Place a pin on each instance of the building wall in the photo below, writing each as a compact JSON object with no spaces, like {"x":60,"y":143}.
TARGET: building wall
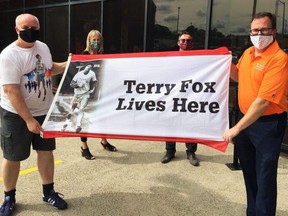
{"x":149,"y":25}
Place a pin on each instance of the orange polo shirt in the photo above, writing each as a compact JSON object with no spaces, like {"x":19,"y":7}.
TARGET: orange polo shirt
{"x":265,"y":76}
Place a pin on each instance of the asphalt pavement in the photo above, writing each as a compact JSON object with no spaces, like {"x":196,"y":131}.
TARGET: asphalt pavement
{"x":133,"y":182}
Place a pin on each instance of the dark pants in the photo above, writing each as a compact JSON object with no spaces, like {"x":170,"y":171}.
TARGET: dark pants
{"x":258,"y":147}
{"x":83,"y":139}
{"x":171,"y":147}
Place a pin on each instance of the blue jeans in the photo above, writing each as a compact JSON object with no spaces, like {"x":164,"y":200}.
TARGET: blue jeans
{"x":258,"y":148}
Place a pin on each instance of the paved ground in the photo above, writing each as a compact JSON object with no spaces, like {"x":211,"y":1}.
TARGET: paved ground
{"x":133,"y":182}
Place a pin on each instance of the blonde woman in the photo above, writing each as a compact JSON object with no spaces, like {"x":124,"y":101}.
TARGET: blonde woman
{"x":94,"y":45}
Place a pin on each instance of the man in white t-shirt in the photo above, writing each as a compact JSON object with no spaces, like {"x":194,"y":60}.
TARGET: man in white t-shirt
{"x":23,"y":111}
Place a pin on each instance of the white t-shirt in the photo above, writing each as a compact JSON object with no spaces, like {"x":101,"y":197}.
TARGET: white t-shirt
{"x":83,"y":81}
{"x":18,"y":66}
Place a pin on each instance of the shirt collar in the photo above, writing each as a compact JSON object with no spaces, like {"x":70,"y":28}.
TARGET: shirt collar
{"x":270,"y":51}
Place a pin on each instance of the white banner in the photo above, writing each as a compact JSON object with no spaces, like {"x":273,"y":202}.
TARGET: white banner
{"x":179,"y":96}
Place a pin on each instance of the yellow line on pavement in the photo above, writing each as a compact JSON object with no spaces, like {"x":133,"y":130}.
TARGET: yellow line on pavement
{"x":33,"y":169}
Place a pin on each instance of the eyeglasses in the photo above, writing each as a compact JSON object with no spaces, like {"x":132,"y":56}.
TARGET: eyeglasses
{"x":187,"y":40}
{"x":263,"y":31}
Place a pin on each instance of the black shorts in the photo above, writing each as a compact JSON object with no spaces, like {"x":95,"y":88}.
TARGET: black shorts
{"x":16,"y":139}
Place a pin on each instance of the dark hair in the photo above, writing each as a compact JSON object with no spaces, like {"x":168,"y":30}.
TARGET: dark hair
{"x":184,"y":32}
{"x":271,"y":16}
{"x":89,"y":64}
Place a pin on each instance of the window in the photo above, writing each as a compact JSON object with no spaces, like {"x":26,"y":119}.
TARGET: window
{"x":231,"y":28}
{"x":16,"y":4}
{"x":123,"y":26}
{"x":7,"y":26}
{"x":56,"y":32}
{"x":55,"y":1}
{"x":82,"y":23}
{"x":32,"y":3}
{"x":174,"y":17}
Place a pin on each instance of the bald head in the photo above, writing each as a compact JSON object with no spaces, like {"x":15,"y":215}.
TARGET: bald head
{"x":27,"y":28}
{"x":26,"y":21}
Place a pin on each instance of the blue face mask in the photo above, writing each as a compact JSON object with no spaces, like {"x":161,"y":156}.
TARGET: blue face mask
{"x":95,"y":45}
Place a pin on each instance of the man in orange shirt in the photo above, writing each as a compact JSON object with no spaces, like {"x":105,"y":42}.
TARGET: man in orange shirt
{"x":262,"y":74}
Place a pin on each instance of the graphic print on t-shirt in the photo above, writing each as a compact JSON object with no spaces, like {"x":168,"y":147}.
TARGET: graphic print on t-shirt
{"x":39,"y":79}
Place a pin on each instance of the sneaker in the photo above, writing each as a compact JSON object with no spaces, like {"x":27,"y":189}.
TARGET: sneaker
{"x":55,"y":200}
{"x":7,"y":206}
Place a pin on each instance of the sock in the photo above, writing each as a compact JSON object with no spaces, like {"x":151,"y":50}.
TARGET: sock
{"x":47,"y":189}
{"x":10,"y":193}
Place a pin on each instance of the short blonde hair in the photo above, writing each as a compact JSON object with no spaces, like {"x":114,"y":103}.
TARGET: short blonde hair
{"x":91,"y":34}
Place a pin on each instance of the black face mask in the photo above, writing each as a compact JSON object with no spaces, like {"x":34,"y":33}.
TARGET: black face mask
{"x":29,"y":35}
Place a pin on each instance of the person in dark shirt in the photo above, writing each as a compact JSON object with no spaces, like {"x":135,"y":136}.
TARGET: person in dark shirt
{"x":184,"y":43}
{"x":94,"y":45}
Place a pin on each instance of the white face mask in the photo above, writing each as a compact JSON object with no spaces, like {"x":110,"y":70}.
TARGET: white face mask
{"x":261,"y":41}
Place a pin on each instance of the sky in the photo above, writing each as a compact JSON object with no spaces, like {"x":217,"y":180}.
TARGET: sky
{"x":229,"y":16}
